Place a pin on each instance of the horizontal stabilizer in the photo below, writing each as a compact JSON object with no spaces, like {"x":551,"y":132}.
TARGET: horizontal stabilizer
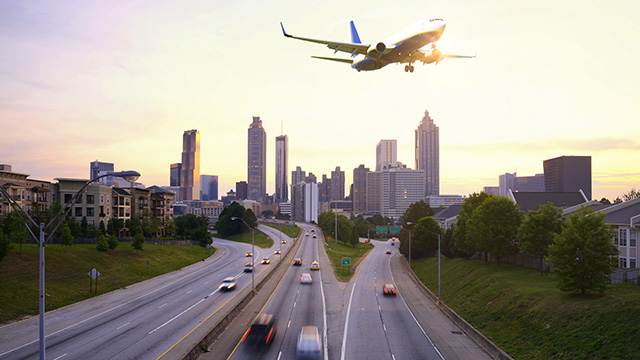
{"x":348,"y":61}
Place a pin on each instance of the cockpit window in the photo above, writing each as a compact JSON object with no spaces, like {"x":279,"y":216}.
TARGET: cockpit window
{"x":435,"y":20}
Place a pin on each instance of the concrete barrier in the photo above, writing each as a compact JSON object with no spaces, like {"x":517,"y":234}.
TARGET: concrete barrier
{"x":487,"y":345}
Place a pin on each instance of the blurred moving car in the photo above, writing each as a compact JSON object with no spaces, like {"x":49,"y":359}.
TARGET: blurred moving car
{"x":262,"y":331}
{"x":248,"y":267}
{"x":227,"y":284}
{"x":305,"y":278}
{"x":393,"y":243}
{"x":388,"y":252}
{"x":314,"y":265}
{"x":248,"y":254}
{"x":297,"y":262}
{"x":277,"y":252}
{"x":283,"y":241}
{"x":306,"y":234}
{"x":367,"y":241}
{"x":389,"y":289}
{"x":309,"y":343}
{"x":313,"y":230}
{"x":265,"y":261}
{"x":314,"y":236}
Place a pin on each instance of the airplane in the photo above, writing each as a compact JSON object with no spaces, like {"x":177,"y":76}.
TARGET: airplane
{"x":407,"y":46}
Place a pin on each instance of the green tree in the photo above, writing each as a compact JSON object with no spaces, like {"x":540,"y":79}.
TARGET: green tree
{"x":267,"y":214}
{"x":415,"y":212}
{"x":169,"y":225}
{"x":101,"y":227}
{"x":74,"y":226}
{"x":227,"y":227}
{"x":66,"y":239}
{"x":493,"y":226}
{"x":5,"y":245}
{"x":138,"y":240}
{"x":424,"y":237}
{"x":354,"y":237}
{"x":18,"y":233}
{"x":536,"y":232}
{"x":150,"y":224}
{"x":631,"y":194}
{"x":448,"y":244}
{"x":84,"y":227}
{"x":112,"y":240}
{"x":377,"y":220}
{"x":102,"y":245}
{"x":465,"y":243}
{"x":583,"y":255}
{"x":114,"y":225}
{"x":93,"y":232}
{"x":202,"y":236}
{"x":250,"y":218}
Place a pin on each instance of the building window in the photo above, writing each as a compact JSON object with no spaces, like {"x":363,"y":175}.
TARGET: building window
{"x":633,"y":235}
{"x":90,"y":199}
{"x":632,"y":263}
{"x":101,"y":199}
{"x":89,"y":212}
{"x":108,"y":200}
{"x":623,"y":263}
{"x":108,"y":211}
{"x":78,"y":212}
{"x":623,"y":237}
{"x":67,"y":198}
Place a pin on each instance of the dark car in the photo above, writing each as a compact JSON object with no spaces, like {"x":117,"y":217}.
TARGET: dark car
{"x":389,"y":289}
{"x":262,"y":331}
{"x":228,"y":284}
{"x":248,"y":268}
{"x":388,"y":252}
{"x":297,"y":262}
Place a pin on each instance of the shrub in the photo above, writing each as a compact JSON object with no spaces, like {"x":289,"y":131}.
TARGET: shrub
{"x":102,"y":245}
{"x":113,"y":242}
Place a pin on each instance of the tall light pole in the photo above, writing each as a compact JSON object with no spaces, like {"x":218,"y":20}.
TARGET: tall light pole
{"x":336,"y":223}
{"x":252,"y":247}
{"x":52,"y":226}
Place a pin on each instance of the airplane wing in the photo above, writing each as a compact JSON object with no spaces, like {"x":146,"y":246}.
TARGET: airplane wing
{"x":460,"y":56}
{"x":348,"y":61}
{"x":351,"y":48}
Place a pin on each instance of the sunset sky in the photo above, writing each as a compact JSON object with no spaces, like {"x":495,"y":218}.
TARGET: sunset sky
{"x":120,"y":81}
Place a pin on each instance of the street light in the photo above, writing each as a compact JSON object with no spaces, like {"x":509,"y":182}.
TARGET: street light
{"x":252,"y":247}
{"x":410,"y":223}
{"x":57,"y":219}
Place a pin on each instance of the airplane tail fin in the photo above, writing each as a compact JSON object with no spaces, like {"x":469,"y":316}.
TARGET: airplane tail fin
{"x":354,"y":34}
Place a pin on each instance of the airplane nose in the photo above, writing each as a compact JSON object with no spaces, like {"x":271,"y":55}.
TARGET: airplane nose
{"x":441,"y":27}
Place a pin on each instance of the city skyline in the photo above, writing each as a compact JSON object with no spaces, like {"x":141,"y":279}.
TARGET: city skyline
{"x":156,"y":70}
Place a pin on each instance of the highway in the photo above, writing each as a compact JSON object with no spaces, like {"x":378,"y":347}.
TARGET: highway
{"x":143,"y":320}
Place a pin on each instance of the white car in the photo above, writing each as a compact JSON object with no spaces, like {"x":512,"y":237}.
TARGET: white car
{"x":309,"y":343}
{"x":305,"y":278}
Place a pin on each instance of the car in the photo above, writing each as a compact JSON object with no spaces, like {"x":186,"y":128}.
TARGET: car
{"x":388,"y":252}
{"x":306,"y":278}
{"x":265,"y":261}
{"x":389,"y":289}
{"x":283,"y":241}
{"x":367,"y":241}
{"x":248,"y":254}
{"x":393,"y":243}
{"x":309,"y":344}
{"x":313,"y":230}
{"x":297,"y":262}
{"x":306,"y":234}
{"x":227,"y":284}
{"x":314,"y":236}
{"x":314,"y":265}
{"x":261,"y":332}
{"x":277,"y":251}
{"x":248,"y":267}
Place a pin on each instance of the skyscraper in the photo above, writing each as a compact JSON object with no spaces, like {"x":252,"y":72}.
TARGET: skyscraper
{"x":257,"y":161}
{"x":359,"y":198}
{"x":174,"y":176}
{"x":208,"y":187}
{"x":298,"y":175}
{"x":337,"y":184}
{"x":386,"y":153}
{"x":568,"y":174}
{"x":393,"y":189}
{"x":101,"y":168}
{"x":190,"y":170}
{"x":282,"y":167}
{"x":427,"y":150}
{"x":241,"y":190}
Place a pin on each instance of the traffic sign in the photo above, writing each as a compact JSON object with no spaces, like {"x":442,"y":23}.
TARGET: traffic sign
{"x":381,"y":230}
{"x":346,"y":261}
{"x":394,"y":230}
{"x":93,"y":273}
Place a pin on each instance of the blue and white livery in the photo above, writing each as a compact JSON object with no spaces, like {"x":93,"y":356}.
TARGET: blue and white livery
{"x":414,"y":43}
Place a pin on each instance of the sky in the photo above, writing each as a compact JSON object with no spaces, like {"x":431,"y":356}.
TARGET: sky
{"x":120,"y":81}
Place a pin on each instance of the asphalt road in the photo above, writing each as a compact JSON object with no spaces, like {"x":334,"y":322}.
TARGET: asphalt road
{"x":144,"y":320}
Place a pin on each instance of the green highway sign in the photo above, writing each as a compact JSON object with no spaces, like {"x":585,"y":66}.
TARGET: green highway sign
{"x":381,"y":230}
{"x":394,"y":230}
{"x":346,"y":261}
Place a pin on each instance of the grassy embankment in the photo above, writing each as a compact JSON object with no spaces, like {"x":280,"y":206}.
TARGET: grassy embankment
{"x":260,"y":240}
{"x":528,"y":317}
{"x":66,"y":279}
{"x":339,"y":251}
{"x":291,"y":231}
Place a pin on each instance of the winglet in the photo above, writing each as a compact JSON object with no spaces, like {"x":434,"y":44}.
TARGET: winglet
{"x":354,"y":34}
{"x":284,"y":32}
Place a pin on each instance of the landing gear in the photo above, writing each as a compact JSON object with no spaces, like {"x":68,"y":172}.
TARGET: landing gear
{"x":408,"y":68}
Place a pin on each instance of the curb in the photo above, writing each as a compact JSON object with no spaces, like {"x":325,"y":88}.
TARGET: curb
{"x":479,"y":338}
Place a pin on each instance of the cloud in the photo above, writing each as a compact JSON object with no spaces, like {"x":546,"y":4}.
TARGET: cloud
{"x":564,"y":145}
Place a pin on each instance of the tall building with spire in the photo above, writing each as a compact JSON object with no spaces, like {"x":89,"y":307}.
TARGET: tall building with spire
{"x":257,"y":161}
{"x":190,"y":168}
{"x":427,"y":150}
{"x":282,"y":168}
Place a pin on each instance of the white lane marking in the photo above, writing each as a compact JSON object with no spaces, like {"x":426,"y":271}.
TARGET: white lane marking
{"x":289,"y":324}
{"x":279,"y":354}
{"x":379,"y":308}
{"x":384,"y":327}
{"x":414,"y":318}
{"x":189,"y":291}
{"x":123,"y":325}
{"x":294,"y":304}
{"x":175,"y":317}
{"x":206,"y":282}
{"x":393,"y":357}
{"x":61,"y":356}
{"x":324,"y":319}
{"x":346,"y":324}
{"x":163,"y":305}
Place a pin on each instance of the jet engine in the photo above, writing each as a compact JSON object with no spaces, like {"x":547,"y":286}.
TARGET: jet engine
{"x":434,"y":56}
{"x":376,"y":50}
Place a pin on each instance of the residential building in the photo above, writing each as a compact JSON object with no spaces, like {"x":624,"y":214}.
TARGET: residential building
{"x":140,"y":201}
{"x":337,"y":184}
{"x":427,"y":153}
{"x":26,"y":192}
{"x":492,"y":190}
{"x":359,"y":190}
{"x":120,"y":204}
{"x":255,"y":206}
{"x":393,"y":189}
{"x":624,"y":219}
{"x":257,"y":161}
{"x":531,"y":201}
{"x":282,"y":168}
{"x":568,"y":174}
{"x":208,"y":187}
{"x":174,"y":175}
{"x":168,"y":199}
{"x":94,"y":203}
{"x":298,"y":175}
{"x":386,"y":153}
{"x":190,"y":168}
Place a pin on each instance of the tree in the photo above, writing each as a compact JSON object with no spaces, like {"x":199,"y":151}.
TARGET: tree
{"x":493,"y":226}
{"x":463,"y":242}
{"x":377,"y":220}
{"x":267,"y":213}
{"x":102,"y":245}
{"x":93,"y":232}
{"x":202,"y":236}
{"x":138,"y":240}
{"x":415,"y":212}
{"x":169,"y":225}
{"x":424,"y":237}
{"x":605,"y":201}
{"x":448,"y":244}
{"x":112,"y":240}
{"x":631,"y":194}
{"x":150,"y":224}
{"x":227,"y":227}
{"x":354,"y":238}
{"x":583,"y":255}
{"x":536,"y":232}
{"x":17,"y":231}
{"x":84,"y":227}
{"x":5,"y":245}
{"x":101,"y":227}
{"x":66,"y":239}
{"x":114,"y":225}
{"x":250,"y":218}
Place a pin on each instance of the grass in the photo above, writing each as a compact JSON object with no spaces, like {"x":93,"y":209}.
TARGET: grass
{"x":339,"y":251}
{"x":66,"y":279}
{"x":291,"y":231}
{"x":261,"y":240}
{"x":528,"y":317}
